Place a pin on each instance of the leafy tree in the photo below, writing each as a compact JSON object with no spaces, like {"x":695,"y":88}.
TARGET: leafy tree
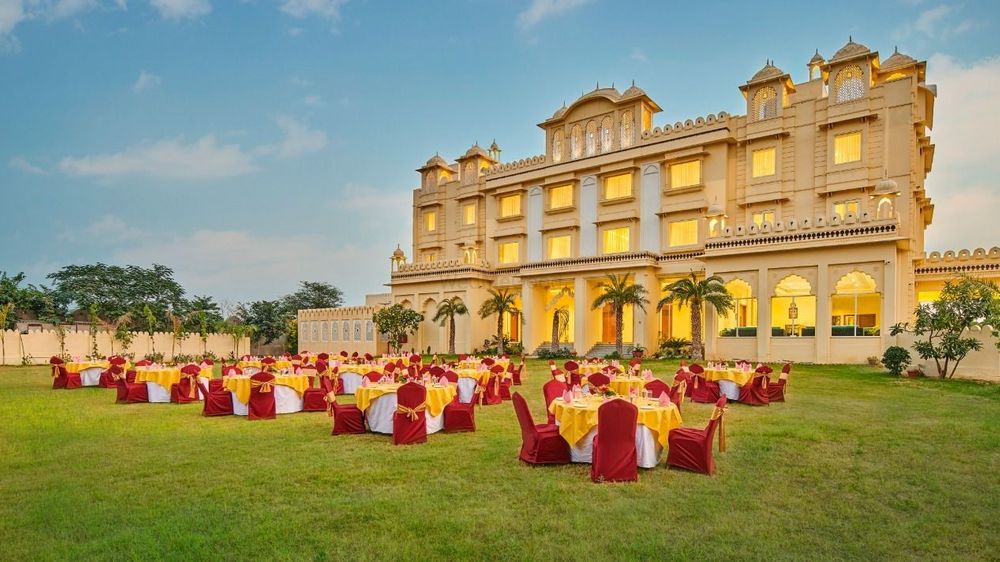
{"x":396,"y":322}
{"x":500,"y":301}
{"x":150,"y":317}
{"x":619,"y":291}
{"x":201,"y":310}
{"x":95,"y":323}
{"x":268,"y":319}
{"x":940,"y":326}
{"x":178,"y":333}
{"x":896,"y":359}
{"x":560,"y":323}
{"x":695,"y":294}
{"x":292,"y":335}
{"x":446,"y":312}
{"x":119,"y":328}
{"x":237,"y":330}
{"x":5,"y":313}
{"x":313,"y":294}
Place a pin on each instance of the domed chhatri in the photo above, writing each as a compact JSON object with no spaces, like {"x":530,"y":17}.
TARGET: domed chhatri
{"x":851,"y":49}
{"x":817,"y":59}
{"x":398,"y":252}
{"x":767,"y":72}
{"x":897,"y":60}
{"x":475,"y":150}
{"x":633,"y":91}
{"x":886,"y":186}
{"x":436,"y":160}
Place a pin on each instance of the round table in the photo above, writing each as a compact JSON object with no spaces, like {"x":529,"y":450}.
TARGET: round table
{"x":257,"y":366}
{"x":577,"y":423}
{"x":624,"y":385}
{"x":159,"y":380}
{"x":90,"y":371}
{"x":468,"y":380}
{"x":288,"y":391}
{"x":378,"y":402}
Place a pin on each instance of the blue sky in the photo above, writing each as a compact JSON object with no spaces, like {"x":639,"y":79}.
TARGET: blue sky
{"x":251,"y":144}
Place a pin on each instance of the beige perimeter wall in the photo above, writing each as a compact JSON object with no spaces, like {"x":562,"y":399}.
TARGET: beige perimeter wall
{"x":982,"y":365}
{"x":40,"y":345}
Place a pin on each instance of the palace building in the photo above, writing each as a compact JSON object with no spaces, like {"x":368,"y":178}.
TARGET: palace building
{"x":811,"y":207}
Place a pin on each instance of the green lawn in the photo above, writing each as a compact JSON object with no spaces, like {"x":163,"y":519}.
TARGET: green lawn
{"x":855,"y":465}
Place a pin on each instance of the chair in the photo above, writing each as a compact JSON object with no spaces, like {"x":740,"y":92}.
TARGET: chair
{"x":227,"y":371}
{"x":347,"y":418}
{"x":261,"y":405}
{"x":505,"y":381}
{"x":552,"y":390}
{"x":776,"y":390}
{"x":415,"y":359}
{"x":369,"y":357}
{"x":540,"y":444}
{"x":492,"y":396}
{"x":452,"y":376}
{"x":186,"y":390}
{"x":110,"y":375}
{"x":143,"y":363}
{"x":326,"y":356}
{"x":515,"y":373}
{"x":656,"y":387}
{"x":314,"y":399}
{"x":461,"y":416}
{"x":614,"y":458}
{"x":130,"y":392}
{"x":374,"y":376}
{"x":677,"y":393}
{"x":691,"y":448}
{"x":755,"y":392}
{"x":488,"y":361}
{"x":64,"y":379}
{"x":703,"y":391}
{"x":599,"y":380}
{"x":682,"y":375}
{"x":409,"y":423}
{"x":217,"y":402}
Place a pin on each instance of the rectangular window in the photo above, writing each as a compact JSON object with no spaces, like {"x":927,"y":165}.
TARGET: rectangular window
{"x":430,"y":256}
{"x":510,"y":205}
{"x":561,"y":197}
{"x":430,"y":221}
{"x":334,"y":332}
{"x":844,"y":207}
{"x":763,"y":162}
{"x":616,"y":240}
{"x":856,"y":315}
{"x":685,"y":174}
{"x":761,"y":217}
{"x":616,"y":187}
{"x":558,"y":247}
{"x":469,"y":214}
{"x":509,"y":252}
{"x":304,"y":331}
{"x":847,"y":148}
{"x":682,"y":233}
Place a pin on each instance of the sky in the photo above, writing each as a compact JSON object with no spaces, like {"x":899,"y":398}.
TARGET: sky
{"x":251,"y":144}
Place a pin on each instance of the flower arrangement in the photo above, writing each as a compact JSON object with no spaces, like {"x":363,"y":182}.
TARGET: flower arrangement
{"x":605,"y":391}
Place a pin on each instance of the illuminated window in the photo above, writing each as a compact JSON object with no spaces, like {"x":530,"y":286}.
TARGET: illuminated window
{"x":509,"y":252}
{"x":616,"y":240}
{"x":430,"y":256}
{"x":682,"y":233}
{"x":430,"y":221}
{"x":896,"y":76}
{"x":606,"y":141}
{"x":761,"y":217}
{"x":850,"y":84}
{"x":627,"y":135}
{"x":685,"y":174}
{"x":561,"y":196}
{"x":616,"y":187}
{"x":715,"y":227}
{"x":763,"y":162}
{"x":469,"y":214}
{"x":857,"y":306}
{"x":576,"y":141}
{"x":764,"y":104}
{"x":741,"y":322}
{"x":558,"y":247}
{"x":793,"y":308}
{"x":647,"y":120}
{"x":844,"y":207}
{"x":591,"y":138}
{"x":510,"y":206}
{"x":557,"y":146}
{"x":847,"y":148}
{"x":885,"y":209}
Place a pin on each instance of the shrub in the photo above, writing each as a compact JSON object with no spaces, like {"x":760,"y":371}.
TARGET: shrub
{"x":896,"y":359}
{"x":674,"y":347}
{"x":614,"y":355}
{"x":490,"y":347}
{"x":561,"y":353}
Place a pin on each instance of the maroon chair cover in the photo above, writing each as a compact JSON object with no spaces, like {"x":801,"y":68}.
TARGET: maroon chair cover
{"x":696,"y":369}
{"x":326,"y":356}
{"x":614,"y":458}
{"x":599,"y":379}
{"x":187,"y":389}
{"x":656,"y":387}
{"x":492,"y":394}
{"x":409,"y":423}
{"x":217,"y":402}
{"x":130,"y":375}
{"x":515,"y":373}
{"x":261,"y":405}
{"x":571,"y":366}
{"x":505,"y":381}
{"x":488,"y":361}
{"x":143,"y":363}
{"x":55,"y":360}
{"x":552,"y":390}
{"x":374,"y":376}
{"x":776,"y":390}
{"x":415,"y":359}
{"x":682,"y":375}
{"x":691,"y":448}
{"x":314,"y":399}
{"x":107,"y":379}
{"x":755,"y":392}
{"x":540,"y":444}
{"x":703,"y":391}
{"x":436,"y":371}
{"x":369,"y":357}
{"x":461,"y":416}
{"x":130,"y":392}
{"x":347,"y":418}
{"x":677,"y":394}
{"x":452,"y":377}
{"x":63,"y":379}
{"x":207,"y":361}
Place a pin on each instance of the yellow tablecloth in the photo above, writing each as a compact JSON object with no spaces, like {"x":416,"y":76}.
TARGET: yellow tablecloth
{"x":623,"y":385}
{"x":278,"y":364}
{"x":437,"y":396}
{"x":474,"y":363}
{"x":481,"y":376}
{"x":165,"y":376}
{"x":577,"y":419}
{"x":77,"y":366}
{"x":738,"y":376}
{"x":241,"y":385}
{"x":360,"y":369}
{"x":587,"y":370}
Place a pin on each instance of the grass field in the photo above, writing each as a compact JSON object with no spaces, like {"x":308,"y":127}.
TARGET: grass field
{"x":856,"y":465}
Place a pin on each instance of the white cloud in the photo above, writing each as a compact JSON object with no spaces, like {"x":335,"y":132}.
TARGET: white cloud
{"x":182,"y":9}
{"x":108,"y":229}
{"x":540,"y":10}
{"x":168,"y":159}
{"x":937,"y":23}
{"x":145,"y":81}
{"x":329,"y":9}
{"x":963,"y":182}
{"x":295,"y":31}
{"x":312,"y":100}
{"x":638,"y":55}
{"x":11,"y":14}
{"x":299,"y":139}
{"x":21,"y":163}
{"x":929,"y":20}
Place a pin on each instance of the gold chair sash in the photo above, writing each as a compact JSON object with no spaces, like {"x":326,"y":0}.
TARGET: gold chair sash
{"x":681,"y":390}
{"x":411,"y":412}
{"x":717,"y":413}
{"x":331,"y":399}
{"x":192,"y":384}
{"x":262,"y":386}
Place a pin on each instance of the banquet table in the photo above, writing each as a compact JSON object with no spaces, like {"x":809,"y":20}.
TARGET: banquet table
{"x":159,"y":380}
{"x":258,"y":365}
{"x":624,"y":385}
{"x":474,"y":363}
{"x":378,"y":402}
{"x":468,"y":380}
{"x":90,"y":371}
{"x":738,"y":376}
{"x":577,"y":423}
{"x":587,"y":369}
{"x":288,"y":390}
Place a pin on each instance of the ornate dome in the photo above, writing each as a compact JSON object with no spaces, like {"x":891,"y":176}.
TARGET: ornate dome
{"x":495,"y":147}
{"x":886,"y":186}
{"x":560,"y":112}
{"x":769,"y":71}
{"x":715,"y":209}
{"x":817,"y":59}
{"x":436,"y":160}
{"x":851,"y":49}
{"x":633,"y":91}
{"x":475,"y":150}
{"x":398,"y":252}
{"x":898,"y":60}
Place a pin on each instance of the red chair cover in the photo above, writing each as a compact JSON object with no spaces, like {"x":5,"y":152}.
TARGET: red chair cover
{"x":326,"y":356}
{"x":703,"y":391}
{"x":571,"y":366}
{"x":755,"y":392}
{"x":143,"y":363}
{"x":415,"y":359}
{"x":314,"y":399}
{"x":552,"y":390}
{"x":261,"y":405}
{"x":677,"y":394}
{"x":452,"y":376}
{"x":374,"y":376}
{"x":599,"y":379}
{"x":187,"y":389}
{"x":540,"y":444}
{"x":409,"y":423}
{"x":461,"y":416}
{"x":108,"y":375}
{"x":614,"y":458}
{"x":515,"y":373}
{"x":776,"y":390}
{"x":488,"y":361}
{"x":268,"y":360}
{"x":492,"y":395}
{"x":369,"y":357}
{"x":63,"y":379}
{"x":436,"y":371}
{"x":696,"y":369}
{"x":217,"y":402}
{"x":691,"y":448}
{"x":656,"y":387}
{"x":55,"y":360}
{"x":131,"y":392}
{"x":130,"y":375}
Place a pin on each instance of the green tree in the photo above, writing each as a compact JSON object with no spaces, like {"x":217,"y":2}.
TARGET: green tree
{"x":500,"y":301}
{"x":120,"y":332}
{"x":268,"y":318}
{"x":619,"y":291}
{"x":397,"y":322}
{"x":150,"y":319}
{"x":695,"y":294}
{"x":6,"y":311}
{"x":178,"y":333}
{"x":237,"y":330}
{"x":313,"y":294}
{"x":560,"y":318}
{"x":292,"y":335}
{"x":447,"y":310}
{"x":95,"y":323}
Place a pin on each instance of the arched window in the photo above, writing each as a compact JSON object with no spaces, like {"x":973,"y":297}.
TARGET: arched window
{"x":606,"y":141}
{"x":428,"y":180}
{"x":576,"y":142}
{"x":715,"y":227}
{"x":850,"y":83}
{"x":314,"y":325}
{"x":333,"y":331}
{"x":470,"y":171}
{"x":347,"y":330}
{"x":626,"y":136}
{"x":557,"y":146}
{"x":793,"y":308}
{"x":741,"y":322}
{"x":764,"y":104}
{"x":885,"y":208}
{"x":325,"y":327}
{"x":591,"y":138}
{"x":304,"y":331}
{"x":857,"y":306}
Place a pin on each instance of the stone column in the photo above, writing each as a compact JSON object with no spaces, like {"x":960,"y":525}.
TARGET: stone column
{"x":581,"y":313}
{"x":823,"y":311}
{"x":763,"y":294}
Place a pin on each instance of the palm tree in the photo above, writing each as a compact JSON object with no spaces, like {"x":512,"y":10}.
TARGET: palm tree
{"x":694,"y":293}
{"x":501,"y":301}
{"x":446,"y":312}
{"x":560,"y":322}
{"x":619,"y":291}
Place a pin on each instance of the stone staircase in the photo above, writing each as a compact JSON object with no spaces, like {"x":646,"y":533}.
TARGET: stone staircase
{"x":548,"y":344}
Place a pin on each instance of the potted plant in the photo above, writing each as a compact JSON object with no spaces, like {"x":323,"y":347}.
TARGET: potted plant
{"x":638,"y":351}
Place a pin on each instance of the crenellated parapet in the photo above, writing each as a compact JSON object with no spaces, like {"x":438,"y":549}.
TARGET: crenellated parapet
{"x":802,"y":230}
{"x":679,"y":128}
{"x":344,"y":312}
{"x":515,"y":166}
{"x":962,"y":261}
{"x":440,"y":265}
